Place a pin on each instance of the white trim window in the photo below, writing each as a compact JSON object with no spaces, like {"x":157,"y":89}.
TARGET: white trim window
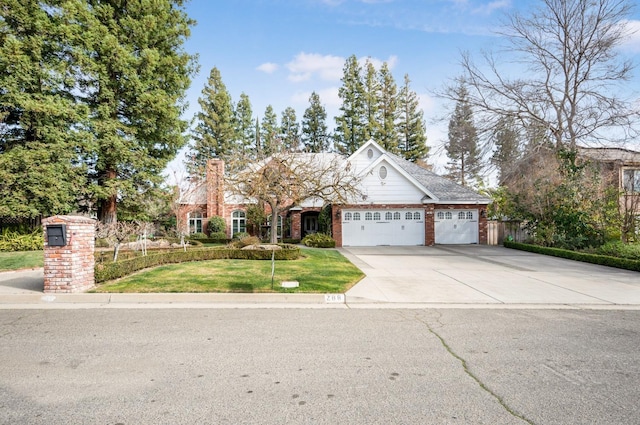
{"x":238,"y":222}
{"x":631,"y":180}
{"x":195,"y":222}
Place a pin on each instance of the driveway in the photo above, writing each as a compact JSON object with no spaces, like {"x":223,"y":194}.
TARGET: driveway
{"x":478,"y":274}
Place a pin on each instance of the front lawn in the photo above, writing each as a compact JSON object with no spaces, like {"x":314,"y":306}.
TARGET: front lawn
{"x":21,"y":260}
{"x":318,"y":270}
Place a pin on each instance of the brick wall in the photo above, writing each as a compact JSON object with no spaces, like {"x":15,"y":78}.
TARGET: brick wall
{"x":70,"y":268}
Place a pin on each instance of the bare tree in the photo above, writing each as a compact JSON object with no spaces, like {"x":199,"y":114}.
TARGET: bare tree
{"x":184,"y":191}
{"x":287,"y":179}
{"x":574,"y":74}
{"x":115,"y":233}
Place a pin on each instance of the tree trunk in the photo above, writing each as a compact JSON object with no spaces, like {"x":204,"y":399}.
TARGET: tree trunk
{"x":274,"y":224}
{"x":107,"y":210}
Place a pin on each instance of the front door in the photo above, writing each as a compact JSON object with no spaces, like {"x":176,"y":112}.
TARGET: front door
{"x":310,"y":224}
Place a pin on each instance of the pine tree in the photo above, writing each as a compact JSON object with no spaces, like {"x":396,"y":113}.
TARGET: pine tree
{"x":244,"y":128}
{"x":134,"y":83}
{"x":387,"y":111}
{"x":314,"y":127}
{"x":507,"y":142}
{"x":371,"y":102}
{"x":411,"y":125}
{"x":290,"y":130}
{"x":270,"y":138}
{"x":259,"y":154}
{"x":41,"y":137}
{"x":349,"y":134}
{"x":462,"y":146}
{"x":215,"y":131}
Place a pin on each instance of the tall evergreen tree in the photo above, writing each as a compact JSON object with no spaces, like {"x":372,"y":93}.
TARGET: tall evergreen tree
{"x":215,"y":131}
{"x":135,"y":83}
{"x":411,"y":125}
{"x":371,"y":102}
{"x":40,"y":138}
{"x":244,"y":128}
{"x":350,"y":132}
{"x":259,"y":154}
{"x":462,"y":146}
{"x":507,"y":142}
{"x":314,"y":128}
{"x":387,"y":111}
{"x":290,"y":130}
{"x":270,"y":134}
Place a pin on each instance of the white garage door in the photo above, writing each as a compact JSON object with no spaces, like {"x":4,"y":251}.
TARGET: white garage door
{"x":382,"y":227}
{"x":456,"y":226}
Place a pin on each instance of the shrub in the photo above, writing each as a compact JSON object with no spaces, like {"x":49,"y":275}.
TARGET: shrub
{"x":109,"y":270}
{"x":245,"y":241}
{"x":240,"y":235}
{"x":218,"y":235}
{"x":216,"y":224}
{"x":198,"y":235}
{"x":319,"y":240}
{"x":620,"y":249}
{"x":11,"y":240}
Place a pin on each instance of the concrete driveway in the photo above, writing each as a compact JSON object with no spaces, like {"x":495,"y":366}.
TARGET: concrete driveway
{"x":477,"y":274}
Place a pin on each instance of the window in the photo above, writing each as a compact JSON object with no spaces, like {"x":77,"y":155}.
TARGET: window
{"x":440,"y":215}
{"x":370,"y":153}
{"x":388,"y":216}
{"x":382,"y":172}
{"x":461,"y":215}
{"x":376,"y":216}
{"x":396,"y":216}
{"x":195,"y":222}
{"x":631,"y":180}
{"x":279,"y":228}
{"x":356,"y":216}
{"x":347,"y":216}
{"x":368,"y":216}
{"x":469,"y":215}
{"x":416,"y":215}
{"x":238,"y":222}
{"x":448,"y":215}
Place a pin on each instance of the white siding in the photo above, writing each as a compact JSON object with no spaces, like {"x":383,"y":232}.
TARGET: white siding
{"x":394,"y":189}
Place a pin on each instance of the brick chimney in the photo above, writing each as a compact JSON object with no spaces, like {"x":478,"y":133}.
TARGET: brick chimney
{"x":215,"y":187}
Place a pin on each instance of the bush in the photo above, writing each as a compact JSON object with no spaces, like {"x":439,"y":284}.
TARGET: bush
{"x":109,"y":270}
{"x":319,"y":240}
{"x":218,"y":235}
{"x":216,"y":224}
{"x":245,"y":241}
{"x":198,"y":235}
{"x":11,"y":240}
{"x":240,"y":235}
{"x":603,"y":260}
{"x":620,"y":249}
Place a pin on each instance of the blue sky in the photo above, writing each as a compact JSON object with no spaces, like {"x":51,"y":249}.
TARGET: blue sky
{"x":279,"y":51}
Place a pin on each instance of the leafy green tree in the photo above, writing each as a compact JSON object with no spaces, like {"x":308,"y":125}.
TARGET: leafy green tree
{"x":135,"y":80}
{"x":244,"y":128}
{"x":507,"y":142}
{"x":270,"y":133}
{"x":216,"y":129}
{"x":387,"y":112}
{"x":371,"y":102}
{"x":350,"y":132}
{"x":411,"y":126}
{"x":314,"y":128}
{"x":290,"y":130}
{"x":41,"y":125}
{"x":462,"y":146}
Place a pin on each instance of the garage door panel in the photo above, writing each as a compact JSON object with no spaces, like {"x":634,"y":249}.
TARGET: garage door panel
{"x":382,"y":227}
{"x":456,"y":226}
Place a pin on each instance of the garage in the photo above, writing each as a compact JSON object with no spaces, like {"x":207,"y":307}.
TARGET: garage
{"x":382,"y":227}
{"x":456,"y":226}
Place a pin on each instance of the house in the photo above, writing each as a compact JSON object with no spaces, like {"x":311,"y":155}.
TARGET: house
{"x":401,"y":204}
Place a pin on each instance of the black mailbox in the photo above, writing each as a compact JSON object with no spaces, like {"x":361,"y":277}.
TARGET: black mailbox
{"x":57,"y":234}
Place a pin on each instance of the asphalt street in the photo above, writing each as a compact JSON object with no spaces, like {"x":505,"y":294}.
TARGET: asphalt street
{"x":326,"y":366}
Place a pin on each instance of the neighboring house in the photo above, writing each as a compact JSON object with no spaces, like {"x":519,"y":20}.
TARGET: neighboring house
{"x":402,"y":204}
{"x":621,"y":168}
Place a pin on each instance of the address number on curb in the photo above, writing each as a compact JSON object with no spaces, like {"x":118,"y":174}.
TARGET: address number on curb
{"x":334,"y":298}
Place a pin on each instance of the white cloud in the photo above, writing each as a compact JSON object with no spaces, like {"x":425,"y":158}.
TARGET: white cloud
{"x":268,"y":67}
{"x":328,"y":98}
{"x":377,"y":63}
{"x":426,"y":103}
{"x":489,"y":8}
{"x":632,"y":40}
{"x":307,"y":65}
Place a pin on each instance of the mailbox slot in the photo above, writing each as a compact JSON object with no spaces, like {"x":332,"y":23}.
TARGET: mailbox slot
{"x":57,"y":234}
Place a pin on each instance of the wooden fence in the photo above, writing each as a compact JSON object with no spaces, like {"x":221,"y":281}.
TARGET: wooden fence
{"x":497,"y":231}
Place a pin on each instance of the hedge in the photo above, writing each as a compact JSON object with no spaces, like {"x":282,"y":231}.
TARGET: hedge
{"x":110,"y":271}
{"x":603,"y":260}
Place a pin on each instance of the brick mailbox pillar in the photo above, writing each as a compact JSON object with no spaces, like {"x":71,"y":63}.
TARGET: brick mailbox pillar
{"x":69,"y":242}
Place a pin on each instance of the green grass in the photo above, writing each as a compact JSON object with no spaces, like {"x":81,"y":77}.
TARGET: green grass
{"x":21,"y":260}
{"x":318,"y":271}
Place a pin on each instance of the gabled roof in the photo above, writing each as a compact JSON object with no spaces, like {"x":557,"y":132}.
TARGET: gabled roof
{"x":610,"y":154}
